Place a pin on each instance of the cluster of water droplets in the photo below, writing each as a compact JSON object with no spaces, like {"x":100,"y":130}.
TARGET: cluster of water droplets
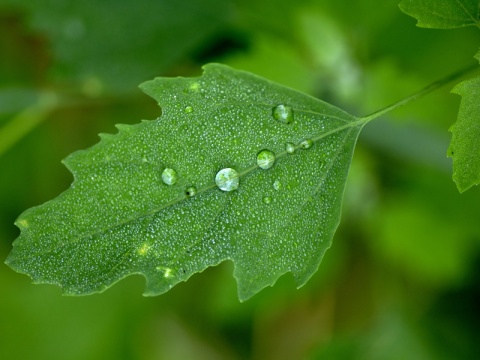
{"x":228,"y":179}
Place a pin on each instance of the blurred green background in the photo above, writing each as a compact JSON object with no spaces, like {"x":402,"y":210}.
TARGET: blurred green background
{"x":402,"y":279}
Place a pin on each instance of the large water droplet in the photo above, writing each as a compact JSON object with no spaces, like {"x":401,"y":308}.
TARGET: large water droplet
{"x":188,"y":109}
{"x":306,"y":144}
{"x":265,"y":159}
{"x":290,"y":148}
{"x":191,"y":191}
{"x":169,"y":176}
{"x":227,"y":179}
{"x":283,"y":113}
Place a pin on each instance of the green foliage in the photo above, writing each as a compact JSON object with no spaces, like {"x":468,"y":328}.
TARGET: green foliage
{"x":444,"y":14}
{"x":130,"y":44}
{"x":464,"y":148}
{"x":131,"y":208}
{"x":407,"y":248}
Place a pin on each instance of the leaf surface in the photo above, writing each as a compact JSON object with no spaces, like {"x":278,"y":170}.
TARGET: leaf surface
{"x":120,"y":217}
{"x":444,"y":14}
{"x":464,"y":147}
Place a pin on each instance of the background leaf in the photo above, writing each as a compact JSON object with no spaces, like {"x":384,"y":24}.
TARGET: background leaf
{"x":131,"y":44}
{"x":382,"y":260}
{"x":465,"y":148}
{"x":445,"y":14}
{"x":120,"y":218}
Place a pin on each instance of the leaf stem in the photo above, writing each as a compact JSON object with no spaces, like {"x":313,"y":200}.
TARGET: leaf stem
{"x":26,"y":121}
{"x":433,"y":86}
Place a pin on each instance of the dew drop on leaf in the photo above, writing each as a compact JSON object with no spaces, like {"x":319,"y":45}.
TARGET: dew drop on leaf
{"x":283,"y":113}
{"x":169,"y":176}
{"x":267,"y":199}
{"x":194,"y":87}
{"x":306,"y":144}
{"x":277,"y":185}
{"x":265,"y":159}
{"x":290,"y":148}
{"x":227,"y":179}
{"x":188,"y":109}
{"x":191,"y":191}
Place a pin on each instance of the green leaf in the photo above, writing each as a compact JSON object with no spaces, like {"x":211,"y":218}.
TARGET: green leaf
{"x":120,"y":218}
{"x":444,"y":14}
{"x":465,"y":146}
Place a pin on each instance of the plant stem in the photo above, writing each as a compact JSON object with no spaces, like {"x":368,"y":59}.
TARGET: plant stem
{"x":433,"y":86}
{"x":26,"y":121}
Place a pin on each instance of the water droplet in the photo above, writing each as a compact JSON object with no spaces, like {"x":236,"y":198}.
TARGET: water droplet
{"x":227,"y":179}
{"x":289,"y":148}
{"x":169,"y":176}
{"x":195,"y":86}
{"x":191,"y":191}
{"x":167,"y":273}
{"x":188,"y":109}
{"x":267,"y":199}
{"x":143,"y":250}
{"x":306,"y":144}
{"x":265,"y":159}
{"x":277,"y":185}
{"x":283,"y":113}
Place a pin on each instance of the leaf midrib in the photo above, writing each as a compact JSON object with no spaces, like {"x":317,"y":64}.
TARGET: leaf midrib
{"x":359,"y":122}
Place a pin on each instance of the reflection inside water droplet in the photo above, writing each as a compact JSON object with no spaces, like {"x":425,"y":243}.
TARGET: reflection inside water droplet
{"x":265,"y":159}
{"x":283,"y":113}
{"x":227,"y":179}
{"x":169,"y":176}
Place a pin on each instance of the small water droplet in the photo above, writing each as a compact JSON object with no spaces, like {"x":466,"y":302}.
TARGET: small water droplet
{"x":191,"y":191}
{"x":188,"y":109}
{"x":167,"y":273}
{"x":283,"y":113}
{"x":169,"y":176}
{"x":290,"y":148}
{"x":143,"y":250}
{"x":194,"y":87}
{"x":267,"y":199}
{"x":277,"y":185}
{"x":227,"y":179}
{"x":306,"y":144}
{"x":265,"y":159}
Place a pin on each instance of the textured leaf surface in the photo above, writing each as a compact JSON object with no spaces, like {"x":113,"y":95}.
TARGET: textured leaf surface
{"x":465,"y":145}
{"x":443,"y":14}
{"x":120,"y":218}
